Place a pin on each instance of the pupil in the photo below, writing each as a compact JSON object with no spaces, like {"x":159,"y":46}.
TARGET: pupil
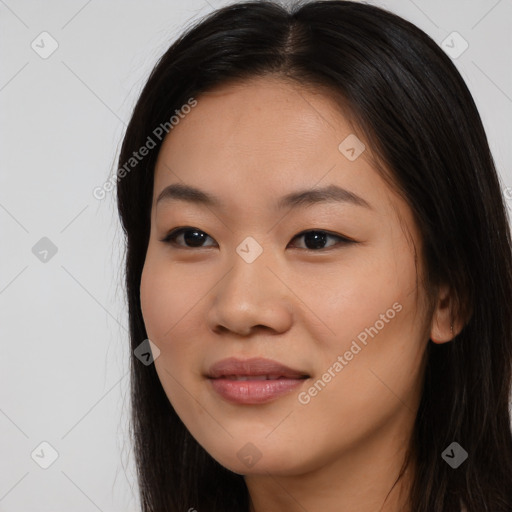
{"x":191,"y":240}
{"x":318,"y":239}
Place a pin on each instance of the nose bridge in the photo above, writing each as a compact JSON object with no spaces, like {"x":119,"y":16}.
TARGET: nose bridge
{"x":249,"y":278}
{"x":250,"y":294}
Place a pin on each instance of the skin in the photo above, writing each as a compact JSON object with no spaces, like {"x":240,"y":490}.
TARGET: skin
{"x":250,"y":143}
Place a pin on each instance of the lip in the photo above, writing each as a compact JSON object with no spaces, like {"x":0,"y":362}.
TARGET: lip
{"x":241,"y":381}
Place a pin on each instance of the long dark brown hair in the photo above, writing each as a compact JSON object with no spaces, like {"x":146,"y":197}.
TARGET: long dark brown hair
{"x":415,"y":109}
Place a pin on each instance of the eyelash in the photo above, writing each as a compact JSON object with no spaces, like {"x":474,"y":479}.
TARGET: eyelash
{"x":170,"y":238}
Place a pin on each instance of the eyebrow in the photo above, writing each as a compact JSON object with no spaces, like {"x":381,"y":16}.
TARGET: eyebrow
{"x":300,"y":198}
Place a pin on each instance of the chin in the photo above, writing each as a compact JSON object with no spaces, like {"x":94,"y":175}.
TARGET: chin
{"x":251,"y":460}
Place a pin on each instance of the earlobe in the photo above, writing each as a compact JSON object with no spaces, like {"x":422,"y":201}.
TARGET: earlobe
{"x":437,"y":337}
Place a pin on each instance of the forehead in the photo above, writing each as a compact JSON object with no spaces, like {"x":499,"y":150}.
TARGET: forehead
{"x":265,"y":113}
{"x":263,"y":131}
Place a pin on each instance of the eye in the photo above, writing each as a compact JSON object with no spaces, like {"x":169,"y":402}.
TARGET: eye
{"x":315,"y":240}
{"x":194,"y":237}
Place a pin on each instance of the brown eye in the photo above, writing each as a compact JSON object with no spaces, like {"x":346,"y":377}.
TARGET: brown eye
{"x":315,"y":240}
{"x":192,"y":237}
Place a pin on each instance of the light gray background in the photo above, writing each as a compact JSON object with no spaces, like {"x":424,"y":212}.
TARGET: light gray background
{"x":64,"y":364}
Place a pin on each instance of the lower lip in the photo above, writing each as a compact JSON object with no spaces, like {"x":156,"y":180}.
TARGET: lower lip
{"x":253,"y":392}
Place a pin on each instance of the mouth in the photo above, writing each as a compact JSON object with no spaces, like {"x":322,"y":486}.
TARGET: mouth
{"x":258,"y":377}
{"x":253,"y":381}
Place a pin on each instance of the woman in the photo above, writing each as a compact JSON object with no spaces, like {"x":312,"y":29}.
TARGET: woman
{"x":318,"y":250}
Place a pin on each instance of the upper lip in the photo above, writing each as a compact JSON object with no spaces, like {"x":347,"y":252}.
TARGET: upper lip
{"x":252,"y":367}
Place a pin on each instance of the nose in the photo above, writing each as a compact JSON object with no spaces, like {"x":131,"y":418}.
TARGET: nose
{"x":249,"y":297}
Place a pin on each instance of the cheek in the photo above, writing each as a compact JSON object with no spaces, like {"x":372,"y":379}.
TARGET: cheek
{"x":167,"y":301}
{"x":171,"y":300}
{"x":377,"y":333}
{"x":381,"y":355}
{"x":156,"y":300}
{"x":371,"y":310}
{"x":167,"y":296}
{"x":356,"y":293}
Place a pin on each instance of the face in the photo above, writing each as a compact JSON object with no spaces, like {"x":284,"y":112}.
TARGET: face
{"x":303,"y":257}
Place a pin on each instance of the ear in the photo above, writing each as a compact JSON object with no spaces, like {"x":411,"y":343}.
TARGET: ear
{"x":444,"y":327}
